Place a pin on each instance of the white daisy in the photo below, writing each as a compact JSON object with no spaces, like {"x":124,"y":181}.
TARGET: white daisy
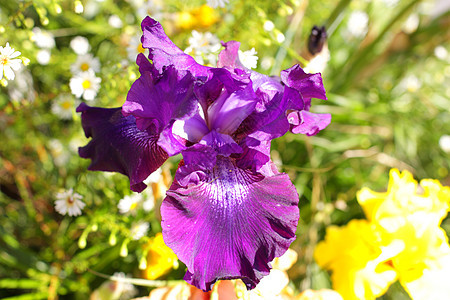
{"x":202,"y":45}
{"x":357,"y":24}
{"x":43,"y":38}
{"x":80,"y":45}
{"x":9,"y":62}
{"x":135,"y":47}
{"x":129,"y":204}
{"x":85,"y":84}
{"x":248,"y":58}
{"x":138,"y":230}
{"x":69,"y":203}
{"x":216,"y":3}
{"x":63,"y":106}
{"x":85,"y":62}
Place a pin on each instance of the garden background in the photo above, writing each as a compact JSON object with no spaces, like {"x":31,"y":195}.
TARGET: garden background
{"x":385,"y":66}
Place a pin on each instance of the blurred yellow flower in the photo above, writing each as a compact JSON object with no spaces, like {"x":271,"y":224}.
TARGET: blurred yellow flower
{"x":198,"y":18}
{"x":357,"y":258}
{"x":404,"y":198}
{"x":160,"y":258}
{"x":402,"y":239}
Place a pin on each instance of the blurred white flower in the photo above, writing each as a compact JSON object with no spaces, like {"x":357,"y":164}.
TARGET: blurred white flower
{"x":391,"y":3}
{"x":63,"y":106}
{"x":69,"y":203}
{"x":43,"y":38}
{"x":85,"y":84}
{"x":43,"y":56}
{"x":216,"y":3}
{"x":114,"y":289}
{"x":267,"y":62}
{"x":139,"y":230}
{"x":152,"y":8}
{"x":22,"y":87}
{"x":155,"y":177}
{"x":411,"y":24}
{"x":202,"y":45}
{"x":268,"y":25}
{"x":248,"y":58}
{"x":149,"y":202}
{"x":129,"y":204}
{"x":444,"y":143}
{"x":9,"y":62}
{"x":357,"y":24}
{"x":59,"y":153}
{"x":115,"y":22}
{"x":280,"y":37}
{"x":441,"y":52}
{"x":319,"y":62}
{"x":410,"y":83}
{"x":135,"y":47}
{"x":80,"y":45}
{"x":84,"y":63}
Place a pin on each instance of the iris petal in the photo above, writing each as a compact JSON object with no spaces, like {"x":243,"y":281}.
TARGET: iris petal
{"x":163,"y":52}
{"x":117,"y":145}
{"x":229,"y":223}
{"x":308,"y":123}
{"x":156,"y":104}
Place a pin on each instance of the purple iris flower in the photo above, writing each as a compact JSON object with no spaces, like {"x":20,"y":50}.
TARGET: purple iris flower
{"x":229,"y":212}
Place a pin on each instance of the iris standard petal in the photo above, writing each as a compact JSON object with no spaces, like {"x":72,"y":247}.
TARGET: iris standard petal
{"x":117,"y":145}
{"x":309,"y":85}
{"x":163,"y":52}
{"x":229,"y":224}
{"x":156,"y":104}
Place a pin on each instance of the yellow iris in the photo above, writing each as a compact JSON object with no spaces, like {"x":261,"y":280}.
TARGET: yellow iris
{"x":401,"y":239}
{"x":160,"y":258}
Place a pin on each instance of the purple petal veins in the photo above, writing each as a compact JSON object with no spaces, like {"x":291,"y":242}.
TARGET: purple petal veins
{"x":229,"y":222}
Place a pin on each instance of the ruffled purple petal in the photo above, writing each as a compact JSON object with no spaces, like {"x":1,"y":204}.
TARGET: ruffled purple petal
{"x":229,"y":223}
{"x":309,"y":85}
{"x":163,"y":52}
{"x":157,"y":101}
{"x":308,"y":123}
{"x":117,"y":145}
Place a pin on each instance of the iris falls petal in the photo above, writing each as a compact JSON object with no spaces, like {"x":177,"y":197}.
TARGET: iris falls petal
{"x":229,"y":222}
{"x":117,"y":145}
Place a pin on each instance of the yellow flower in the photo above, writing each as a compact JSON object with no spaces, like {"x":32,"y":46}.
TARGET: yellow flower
{"x":404,"y":198}
{"x":160,"y":258}
{"x":198,"y":18}
{"x":358,"y":260}
{"x":433,"y":284}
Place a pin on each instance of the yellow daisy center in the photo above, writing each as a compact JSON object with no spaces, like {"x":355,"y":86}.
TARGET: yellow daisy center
{"x":84,"y":66}
{"x":66,"y":105}
{"x":3,"y":60}
{"x":86,"y":84}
